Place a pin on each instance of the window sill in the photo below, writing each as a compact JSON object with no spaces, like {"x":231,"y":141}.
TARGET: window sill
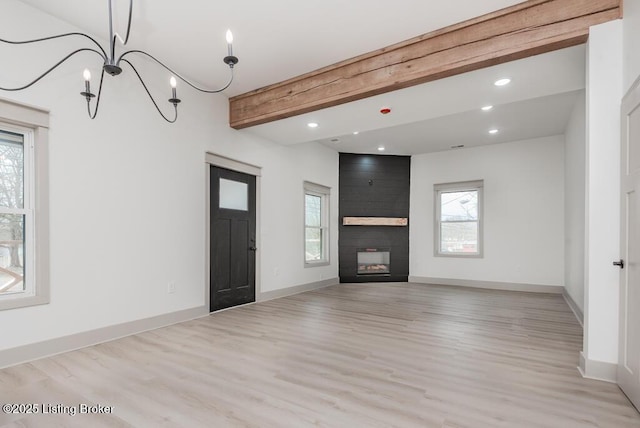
{"x":316,"y":264}
{"x":22,"y":302}
{"x":462,"y":256}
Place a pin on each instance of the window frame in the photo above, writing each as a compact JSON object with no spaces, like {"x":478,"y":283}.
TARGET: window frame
{"x":33,"y":123}
{"x":462,"y":186}
{"x":324,"y":193}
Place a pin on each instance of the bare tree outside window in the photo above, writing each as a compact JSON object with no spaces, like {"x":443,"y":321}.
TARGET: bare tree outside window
{"x":12,"y":225}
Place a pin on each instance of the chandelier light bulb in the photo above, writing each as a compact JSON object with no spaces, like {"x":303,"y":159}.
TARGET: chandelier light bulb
{"x":87,"y":85}
{"x":174,"y":96}
{"x":229,"y":42}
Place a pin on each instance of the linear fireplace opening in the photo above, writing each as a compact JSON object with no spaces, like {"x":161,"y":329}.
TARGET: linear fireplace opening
{"x":374,"y":261}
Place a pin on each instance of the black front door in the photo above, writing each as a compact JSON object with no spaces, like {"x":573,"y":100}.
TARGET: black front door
{"x":233,"y":238}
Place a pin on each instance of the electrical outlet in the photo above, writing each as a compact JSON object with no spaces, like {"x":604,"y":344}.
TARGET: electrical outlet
{"x":171,"y":287}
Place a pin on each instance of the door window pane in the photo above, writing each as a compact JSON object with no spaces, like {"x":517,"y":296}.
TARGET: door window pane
{"x":234,"y":195}
{"x":11,"y":253}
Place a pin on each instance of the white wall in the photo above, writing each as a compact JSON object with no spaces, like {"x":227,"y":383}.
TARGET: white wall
{"x":631,"y":43}
{"x":604,"y":92}
{"x":574,"y":202}
{"x":128,"y":194}
{"x":523,"y":212}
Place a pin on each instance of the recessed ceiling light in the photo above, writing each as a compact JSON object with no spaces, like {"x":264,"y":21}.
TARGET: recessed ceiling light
{"x":356,"y":132}
{"x":381,"y":149}
{"x":487,"y":108}
{"x":493,"y":131}
{"x":502,"y":82}
{"x":312,"y":125}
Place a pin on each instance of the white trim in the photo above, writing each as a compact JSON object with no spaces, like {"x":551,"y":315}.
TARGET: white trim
{"x":23,"y":114}
{"x":26,"y":353}
{"x":232,"y":164}
{"x":573,"y":306}
{"x":245,"y":168}
{"x":297,"y":289}
{"x":316,"y":188}
{"x":598,"y":370}
{"x":491,"y":285}
{"x":35,"y":351}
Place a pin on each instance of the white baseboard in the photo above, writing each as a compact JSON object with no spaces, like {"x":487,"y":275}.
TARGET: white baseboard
{"x":492,"y":285}
{"x":47,"y":348}
{"x":289,"y":291}
{"x":598,"y":370}
{"x":574,"y":307}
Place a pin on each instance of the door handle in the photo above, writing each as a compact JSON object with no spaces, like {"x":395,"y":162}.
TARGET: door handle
{"x":619,"y":263}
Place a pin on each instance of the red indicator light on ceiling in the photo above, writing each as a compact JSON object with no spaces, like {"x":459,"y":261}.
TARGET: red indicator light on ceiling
{"x":385,"y":110}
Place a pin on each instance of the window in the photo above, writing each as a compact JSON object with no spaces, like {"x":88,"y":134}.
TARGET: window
{"x":316,"y":224}
{"x":459,"y":219}
{"x":23,"y":206}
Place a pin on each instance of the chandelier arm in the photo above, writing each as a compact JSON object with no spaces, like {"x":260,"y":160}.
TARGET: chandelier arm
{"x":51,"y":69}
{"x":43,"y":39}
{"x":95,"y":113}
{"x":151,"y":96}
{"x":208,"y":91}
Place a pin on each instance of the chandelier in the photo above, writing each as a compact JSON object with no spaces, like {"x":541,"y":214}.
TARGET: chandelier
{"x":112,"y":65}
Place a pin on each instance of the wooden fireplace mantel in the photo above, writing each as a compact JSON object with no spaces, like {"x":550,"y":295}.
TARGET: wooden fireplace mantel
{"x":375,"y":221}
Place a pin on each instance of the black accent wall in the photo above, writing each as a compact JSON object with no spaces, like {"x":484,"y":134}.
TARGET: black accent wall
{"x":374,"y":186}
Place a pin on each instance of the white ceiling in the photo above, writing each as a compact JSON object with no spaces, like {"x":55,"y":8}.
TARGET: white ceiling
{"x":279,"y":39}
{"x":436,"y":115}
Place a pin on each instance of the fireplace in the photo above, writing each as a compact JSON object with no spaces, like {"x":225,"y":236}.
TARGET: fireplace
{"x":373,"y":213}
{"x":373,"y":261}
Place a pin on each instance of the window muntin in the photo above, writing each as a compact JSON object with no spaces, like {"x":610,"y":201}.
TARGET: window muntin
{"x":316,"y":224}
{"x":458,"y":219}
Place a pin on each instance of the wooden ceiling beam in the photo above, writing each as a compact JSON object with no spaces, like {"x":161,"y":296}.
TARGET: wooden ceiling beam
{"x":526,"y":29}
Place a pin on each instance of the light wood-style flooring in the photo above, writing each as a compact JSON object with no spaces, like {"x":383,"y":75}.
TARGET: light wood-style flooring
{"x":352,"y":355}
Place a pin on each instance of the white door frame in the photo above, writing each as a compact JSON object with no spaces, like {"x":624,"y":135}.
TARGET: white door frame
{"x":212,"y":159}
